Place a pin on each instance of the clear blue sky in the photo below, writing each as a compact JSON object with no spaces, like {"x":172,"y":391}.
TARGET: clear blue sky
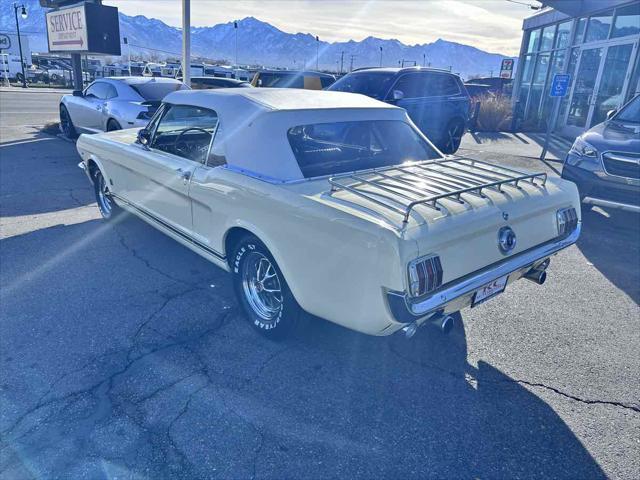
{"x":493,"y":25}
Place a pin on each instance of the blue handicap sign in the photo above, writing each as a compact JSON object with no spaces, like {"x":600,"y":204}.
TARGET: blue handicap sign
{"x":560,"y":85}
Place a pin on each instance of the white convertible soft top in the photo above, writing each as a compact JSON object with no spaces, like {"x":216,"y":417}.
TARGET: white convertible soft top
{"x":254,"y":122}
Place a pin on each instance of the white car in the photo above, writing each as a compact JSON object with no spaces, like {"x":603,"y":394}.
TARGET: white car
{"x":332,"y":203}
{"x":114,"y":103}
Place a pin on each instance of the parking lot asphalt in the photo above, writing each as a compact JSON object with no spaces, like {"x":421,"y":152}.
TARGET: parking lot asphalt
{"x":123,"y":355}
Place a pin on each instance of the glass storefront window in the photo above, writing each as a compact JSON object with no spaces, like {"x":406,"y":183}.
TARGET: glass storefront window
{"x":563,"y":36}
{"x":580,"y":27}
{"x":599,"y":26}
{"x":527,"y":69}
{"x":546,"y":40}
{"x":573,"y":60}
{"x":627,"y":21}
{"x":537,"y":85}
{"x":534,"y":35}
{"x":558,"y":64}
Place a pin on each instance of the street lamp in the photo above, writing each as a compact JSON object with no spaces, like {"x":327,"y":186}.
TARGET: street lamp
{"x":23,"y":14}
{"x":235,"y":27}
{"x":381,"y":55}
{"x":317,"y":46}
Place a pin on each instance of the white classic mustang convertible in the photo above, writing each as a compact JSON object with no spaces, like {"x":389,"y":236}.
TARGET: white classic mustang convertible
{"x":332,"y":203}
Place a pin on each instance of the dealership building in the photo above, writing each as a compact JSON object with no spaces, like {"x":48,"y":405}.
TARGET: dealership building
{"x":596,"y":41}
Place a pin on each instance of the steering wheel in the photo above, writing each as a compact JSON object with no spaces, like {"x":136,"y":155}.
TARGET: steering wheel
{"x":186,"y":151}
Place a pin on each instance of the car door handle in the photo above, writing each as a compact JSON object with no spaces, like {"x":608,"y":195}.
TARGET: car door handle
{"x":184,"y":174}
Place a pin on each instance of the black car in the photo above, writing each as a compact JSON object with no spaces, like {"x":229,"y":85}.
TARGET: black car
{"x":436,"y":100}
{"x":604,"y":162}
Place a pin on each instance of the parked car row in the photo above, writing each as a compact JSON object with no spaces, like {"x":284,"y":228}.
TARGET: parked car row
{"x":435,"y":100}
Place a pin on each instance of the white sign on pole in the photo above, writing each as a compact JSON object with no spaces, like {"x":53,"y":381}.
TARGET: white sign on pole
{"x":506,"y":68}
{"x":67,"y":30}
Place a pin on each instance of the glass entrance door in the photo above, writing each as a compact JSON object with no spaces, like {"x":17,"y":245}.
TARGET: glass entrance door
{"x":611,"y":86}
{"x":602,"y":75}
{"x":584,"y":86}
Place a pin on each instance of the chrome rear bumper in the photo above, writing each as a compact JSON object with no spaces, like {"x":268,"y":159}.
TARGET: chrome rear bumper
{"x":406,"y":309}
{"x":611,"y":204}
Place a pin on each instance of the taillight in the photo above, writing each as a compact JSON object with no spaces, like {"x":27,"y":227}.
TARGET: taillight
{"x":567,"y":219}
{"x":146,"y":115}
{"x":425,"y":275}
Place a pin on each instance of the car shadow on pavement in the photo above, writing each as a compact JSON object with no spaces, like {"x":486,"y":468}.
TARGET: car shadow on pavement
{"x":610,"y":240}
{"x":137,"y":363}
{"x":52,"y":185}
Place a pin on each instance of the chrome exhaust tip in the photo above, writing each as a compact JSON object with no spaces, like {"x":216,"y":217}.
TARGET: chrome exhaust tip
{"x":410,"y":330}
{"x":536,"y":276}
{"x":446,"y":324}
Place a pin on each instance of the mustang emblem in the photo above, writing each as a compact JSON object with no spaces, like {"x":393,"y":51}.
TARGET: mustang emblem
{"x":506,"y":240}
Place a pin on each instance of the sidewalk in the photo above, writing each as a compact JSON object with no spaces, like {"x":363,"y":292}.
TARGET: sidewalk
{"x":516,"y":144}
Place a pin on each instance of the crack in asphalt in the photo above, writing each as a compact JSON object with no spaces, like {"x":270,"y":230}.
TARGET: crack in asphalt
{"x":147,"y":263}
{"x":457,"y":375}
{"x":69,"y":398}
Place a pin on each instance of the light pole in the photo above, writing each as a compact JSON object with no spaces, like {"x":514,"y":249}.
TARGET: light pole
{"x":186,"y":42}
{"x":381,"y":55}
{"x":23,"y":14}
{"x":235,"y":27}
{"x":317,"y":47}
{"x":424,"y":59}
{"x":341,"y":62}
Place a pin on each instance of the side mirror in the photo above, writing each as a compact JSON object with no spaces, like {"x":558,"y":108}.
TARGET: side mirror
{"x":78,"y":93}
{"x":144,"y":137}
{"x":397,"y":95}
{"x":611,"y":113}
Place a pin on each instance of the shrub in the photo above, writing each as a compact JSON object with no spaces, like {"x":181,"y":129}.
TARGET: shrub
{"x":495,"y":113}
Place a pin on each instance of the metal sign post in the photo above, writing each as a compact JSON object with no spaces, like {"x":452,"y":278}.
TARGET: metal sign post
{"x":559,"y":88}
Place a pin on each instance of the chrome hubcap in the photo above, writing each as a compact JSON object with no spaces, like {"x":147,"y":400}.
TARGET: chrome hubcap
{"x":261,"y":286}
{"x":104,"y":197}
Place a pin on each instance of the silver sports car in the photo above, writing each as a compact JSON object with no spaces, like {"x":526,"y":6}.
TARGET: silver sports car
{"x":114,"y":103}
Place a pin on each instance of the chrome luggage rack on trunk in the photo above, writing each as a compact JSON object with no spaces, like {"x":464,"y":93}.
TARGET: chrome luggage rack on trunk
{"x":401,"y":188}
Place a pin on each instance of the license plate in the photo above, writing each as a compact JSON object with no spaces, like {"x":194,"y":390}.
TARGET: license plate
{"x":490,"y":290}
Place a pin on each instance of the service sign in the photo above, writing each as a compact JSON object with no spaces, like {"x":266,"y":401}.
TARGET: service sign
{"x":506,"y":68}
{"x":67,"y":30}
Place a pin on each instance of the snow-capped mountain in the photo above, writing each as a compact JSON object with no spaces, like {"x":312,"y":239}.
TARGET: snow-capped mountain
{"x":260,"y":43}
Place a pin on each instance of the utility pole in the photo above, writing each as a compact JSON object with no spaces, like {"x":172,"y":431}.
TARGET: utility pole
{"x":341,"y":62}
{"x":317,"y":47}
{"x":424,"y":59}
{"x":126,"y":42}
{"x":186,"y":42}
{"x":381,"y":55}
{"x":23,"y":14}
{"x":352,"y":57}
{"x":235,"y":27}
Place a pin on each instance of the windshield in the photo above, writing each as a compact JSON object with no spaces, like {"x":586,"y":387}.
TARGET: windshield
{"x":631,"y":112}
{"x":281,"y":80}
{"x":332,"y":148}
{"x":374,"y":85}
{"x":157,"y":90}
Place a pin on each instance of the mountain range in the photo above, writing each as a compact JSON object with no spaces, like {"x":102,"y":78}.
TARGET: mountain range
{"x":260,"y":43}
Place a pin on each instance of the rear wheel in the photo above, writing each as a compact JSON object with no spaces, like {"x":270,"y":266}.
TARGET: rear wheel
{"x":113,"y":125}
{"x":106,"y":205}
{"x":66,"y":124}
{"x":452,"y":137}
{"x":262,"y":290}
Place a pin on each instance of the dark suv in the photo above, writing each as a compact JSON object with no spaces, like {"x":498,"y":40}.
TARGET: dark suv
{"x":436,"y":100}
{"x":605,"y":161}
